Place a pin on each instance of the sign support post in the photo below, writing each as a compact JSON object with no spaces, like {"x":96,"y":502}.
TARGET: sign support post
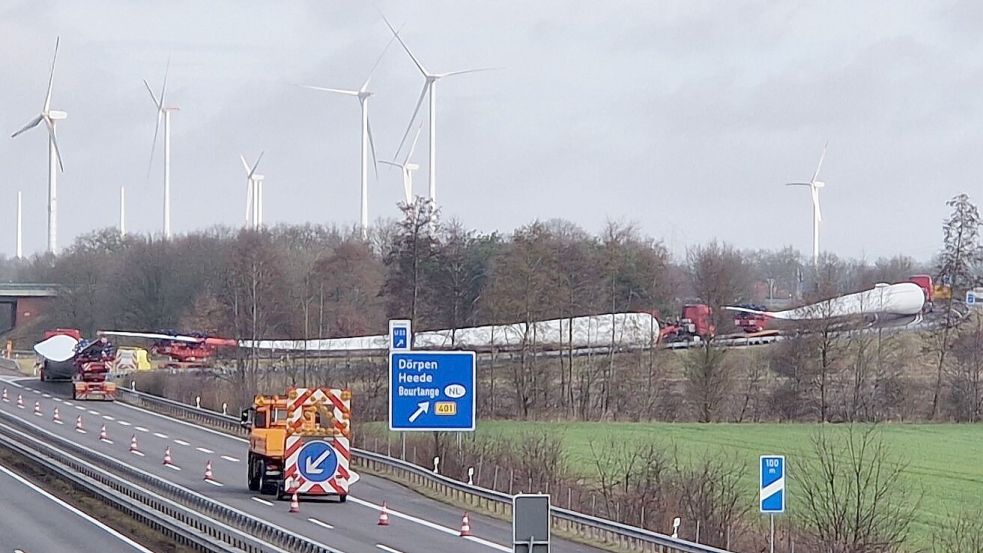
{"x":771,"y":491}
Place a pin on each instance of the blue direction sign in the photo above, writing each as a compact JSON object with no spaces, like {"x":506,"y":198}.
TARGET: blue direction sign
{"x":431,"y":390}
{"x":772,"y":489}
{"x":399,"y":335}
{"x":317,"y":461}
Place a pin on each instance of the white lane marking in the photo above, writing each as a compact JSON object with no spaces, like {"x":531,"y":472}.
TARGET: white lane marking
{"x":124,"y":423}
{"x":181,"y":442}
{"x":46,"y":395}
{"x":321,"y":524}
{"x":38,"y":413}
{"x":387,"y":549}
{"x":16,"y":384}
{"x":69,"y":403}
{"x":59,"y":422}
{"x":428,"y":524}
{"x":263,"y":501}
{"x":161,"y":436}
{"x":230,"y":459}
{"x":108,"y":418}
{"x":141,"y":429}
{"x":80,"y":407}
{"x":136,"y":452}
{"x":185,"y":423}
{"x":77,"y":512}
{"x":204,"y":450}
{"x":58,"y":399}
{"x":173,"y":467}
{"x":91,"y":412}
{"x":219,"y":484}
{"x":80,"y":431}
{"x":110,"y":442}
{"x":35,"y":391}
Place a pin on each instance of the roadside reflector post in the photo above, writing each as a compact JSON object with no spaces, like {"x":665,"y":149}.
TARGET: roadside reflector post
{"x":198,"y":402}
{"x":225,"y":407}
{"x":436,"y":465}
{"x":471,"y":476}
{"x":133,"y":385}
{"x":675,"y":527}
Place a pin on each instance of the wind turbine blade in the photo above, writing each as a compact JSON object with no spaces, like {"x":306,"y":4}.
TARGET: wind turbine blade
{"x":798,"y":184}
{"x":335,"y":90}
{"x":33,"y":123}
{"x":452,"y":73}
{"x":153,"y":147}
{"x":54,"y":140}
{"x":245,"y":165}
{"x":818,"y":167}
{"x":423,"y":94}
{"x":378,"y":60}
{"x":163,"y":87}
{"x":152,"y":95}
{"x":51,"y":78}
{"x":375,"y":161}
{"x":393,"y":163}
{"x":415,"y":140}
{"x":405,"y":47}
{"x":255,"y":165}
{"x":249,"y":197}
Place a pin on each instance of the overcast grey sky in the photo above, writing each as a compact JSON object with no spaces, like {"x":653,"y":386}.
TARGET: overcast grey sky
{"x":684,"y":117}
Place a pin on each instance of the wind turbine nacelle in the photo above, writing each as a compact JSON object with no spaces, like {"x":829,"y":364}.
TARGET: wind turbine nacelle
{"x":57,"y":115}
{"x":819,"y":184}
{"x":412,"y":166}
{"x":258,"y":178}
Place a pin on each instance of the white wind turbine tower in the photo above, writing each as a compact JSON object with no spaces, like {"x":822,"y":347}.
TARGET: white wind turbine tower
{"x":362,"y":94}
{"x":50,"y":118}
{"x":429,"y":87}
{"x":254,"y":193}
{"x":814,"y":185}
{"x":163,"y":113}
{"x":122,"y":210}
{"x":407,"y":168}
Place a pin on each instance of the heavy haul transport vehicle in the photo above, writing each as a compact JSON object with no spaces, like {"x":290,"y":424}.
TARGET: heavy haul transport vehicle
{"x":300,"y":443}
{"x":61,"y":370}
{"x":65,"y":355}
{"x":185,"y":350}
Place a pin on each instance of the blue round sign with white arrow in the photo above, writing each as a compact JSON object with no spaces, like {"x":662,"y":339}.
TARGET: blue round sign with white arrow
{"x":317,"y":461}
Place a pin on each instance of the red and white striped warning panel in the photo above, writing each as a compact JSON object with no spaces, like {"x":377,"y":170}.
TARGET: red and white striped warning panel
{"x":318,"y":445}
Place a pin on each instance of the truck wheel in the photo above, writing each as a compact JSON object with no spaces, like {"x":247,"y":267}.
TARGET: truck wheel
{"x":252,"y":476}
{"x":342,"y":498}
{"x":267,"y":486}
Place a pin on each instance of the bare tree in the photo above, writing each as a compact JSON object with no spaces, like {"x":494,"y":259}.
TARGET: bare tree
{"x":959,"y":533}
{"x":853,"y":494}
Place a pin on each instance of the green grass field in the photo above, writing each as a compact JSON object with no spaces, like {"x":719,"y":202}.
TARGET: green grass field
{"x":945,"y":461}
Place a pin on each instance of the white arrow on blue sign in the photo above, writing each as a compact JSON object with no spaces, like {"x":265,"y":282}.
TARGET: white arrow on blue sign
{"x":772,"y":489}
{"x":317,"y":461}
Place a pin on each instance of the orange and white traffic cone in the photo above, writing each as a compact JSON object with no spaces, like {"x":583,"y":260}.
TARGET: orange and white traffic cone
{"x":465,"y":526}
{"x":78,"y":424}
{"x":55,"y":417}
{"x":20,"y":401}
{"x":134,"y":448}
{"x":208,"y":470}
{"x":384,"y":515}
{"x":103,"y":435}
{"x":167,"y":456}
{"x":294,"y":504}
{"x":37,"y":408}
{"x":4,"y":397}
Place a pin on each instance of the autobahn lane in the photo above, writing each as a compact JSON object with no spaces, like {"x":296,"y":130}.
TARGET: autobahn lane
{"x":418,"y":524}
{"x":35,"y":521}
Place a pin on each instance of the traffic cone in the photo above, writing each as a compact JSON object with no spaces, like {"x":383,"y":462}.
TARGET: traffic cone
{"x":55,"y":417}
{"x":294,"y":504}
{"x":465,"y":526}
{"x":384,"y":515}
{"x":5,"y":395}
{"x":208,"y":470}
{"x":133,"y":444}
{"x":37,"y":408}
{"x":20,"y":401}
{"x":167,"y":456}
{"x":102,"y":434}
{"x":78,"y":424}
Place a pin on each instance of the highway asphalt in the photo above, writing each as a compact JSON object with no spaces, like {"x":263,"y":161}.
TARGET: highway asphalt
{"x":34,"y":521}
{"x":417,"y":524}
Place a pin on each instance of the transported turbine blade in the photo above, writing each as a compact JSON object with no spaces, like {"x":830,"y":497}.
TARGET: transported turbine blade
{"x":51,"y":77}
{"x":30,"y":125}
{"x":54,"y":140}
{"x":416,"y":110}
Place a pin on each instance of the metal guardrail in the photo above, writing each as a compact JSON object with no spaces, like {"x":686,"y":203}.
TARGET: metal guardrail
{"x":592,"y":528}
{"x":211,"y":519}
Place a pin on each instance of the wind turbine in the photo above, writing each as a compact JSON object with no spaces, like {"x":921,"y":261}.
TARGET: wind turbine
{"x":429,"y":87}
{"x":814,"y":185}
{"x":122,"y":210}
{"x":254,"y":193}
{"x":408,"y":168}
{"x":50,"y":118}
{"x":362,"y":94}
{"x":163,"y":113}
{"x":20,"y":228}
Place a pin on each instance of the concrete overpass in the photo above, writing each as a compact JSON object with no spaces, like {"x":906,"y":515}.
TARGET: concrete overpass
{"x":24,"y":302}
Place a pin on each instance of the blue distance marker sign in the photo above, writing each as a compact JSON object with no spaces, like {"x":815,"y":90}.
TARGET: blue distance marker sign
{"x":317,"y":461}
{"x":771,"y":496}
{"x":432,"y":391}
